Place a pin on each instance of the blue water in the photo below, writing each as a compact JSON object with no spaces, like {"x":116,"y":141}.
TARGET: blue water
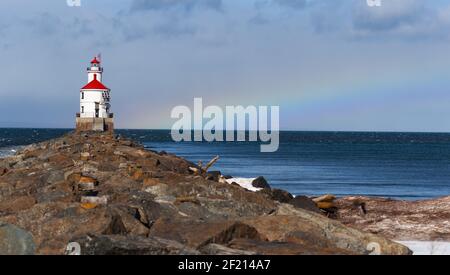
{"x":397,"y":165}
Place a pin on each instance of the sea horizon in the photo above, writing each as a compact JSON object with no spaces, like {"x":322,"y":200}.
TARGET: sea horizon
{"x":282,"y":130}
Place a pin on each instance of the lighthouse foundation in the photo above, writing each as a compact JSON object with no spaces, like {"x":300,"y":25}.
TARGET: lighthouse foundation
{"x":88,"y":124}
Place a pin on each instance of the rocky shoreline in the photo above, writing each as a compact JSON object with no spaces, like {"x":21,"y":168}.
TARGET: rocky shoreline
{"x":426,"y":220}
{"x":112,"y":196}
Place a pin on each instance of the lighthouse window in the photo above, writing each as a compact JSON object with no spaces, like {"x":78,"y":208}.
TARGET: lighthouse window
{"x":82,"y":109}
{"x":82,"y":95}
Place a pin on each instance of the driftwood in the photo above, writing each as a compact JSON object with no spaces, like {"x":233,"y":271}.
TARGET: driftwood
{"x":202,"y":170}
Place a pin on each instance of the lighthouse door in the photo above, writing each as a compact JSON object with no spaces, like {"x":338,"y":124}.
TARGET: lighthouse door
{"x":97,"y":109}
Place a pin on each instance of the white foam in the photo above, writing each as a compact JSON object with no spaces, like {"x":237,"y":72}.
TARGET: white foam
{"x":427,"y":248}
{"x":9,"y":151}
{"x":244,"y":183}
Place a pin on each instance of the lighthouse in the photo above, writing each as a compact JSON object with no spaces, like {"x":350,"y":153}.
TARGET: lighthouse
{"x":95,"y":108}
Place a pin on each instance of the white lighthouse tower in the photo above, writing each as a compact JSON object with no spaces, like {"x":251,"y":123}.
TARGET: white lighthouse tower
{"x":95,"y":104}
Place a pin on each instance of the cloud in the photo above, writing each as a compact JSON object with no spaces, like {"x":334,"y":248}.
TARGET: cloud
{"x":354,"y":19}
{"x":391,"y":15}
{"x":186,"y":5}
{"x":401,"y":20}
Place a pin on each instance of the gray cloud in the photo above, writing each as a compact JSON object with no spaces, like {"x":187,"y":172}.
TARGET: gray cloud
{"x":401,"y":20}
{"x":391,"y":15}
{"x":354,"y":19}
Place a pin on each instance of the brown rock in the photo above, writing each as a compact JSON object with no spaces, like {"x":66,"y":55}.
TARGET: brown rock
{"x":288,"y":219}
{"x":85,"y":179}
{"x":16,"y":204}
{"x":325,"y":205}
{"x":72,"y":176}
{"x":151,"y":182}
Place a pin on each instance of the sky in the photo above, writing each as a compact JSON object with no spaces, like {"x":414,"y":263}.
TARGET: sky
{"x":335,"y":65}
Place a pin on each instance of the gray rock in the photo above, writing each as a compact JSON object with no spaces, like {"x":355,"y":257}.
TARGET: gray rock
{"x":260,"y":182}
{"x":50,"y":196}
{"x":15,"y":241}
{"x":103,"y":200}
{"x":305,"y":203}
{"x":278,"y":195}
{"x":55,"y":176}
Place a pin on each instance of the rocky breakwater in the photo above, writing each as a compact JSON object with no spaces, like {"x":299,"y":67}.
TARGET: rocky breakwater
{"x":112,"y":196}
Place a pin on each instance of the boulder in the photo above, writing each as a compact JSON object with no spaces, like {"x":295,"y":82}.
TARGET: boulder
{"x":260,"y":182}
{"x":305,"y":203}
{"x":278,"y":195}
{"x":15,"y":241}
{"x":288,"y":220}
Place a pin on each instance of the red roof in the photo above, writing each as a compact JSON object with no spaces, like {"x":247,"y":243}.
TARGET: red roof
{"x":95,"y":61}
{"x":95,"y":85}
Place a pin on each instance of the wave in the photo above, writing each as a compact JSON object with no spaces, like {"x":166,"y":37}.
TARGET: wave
{"x":9,"y":151}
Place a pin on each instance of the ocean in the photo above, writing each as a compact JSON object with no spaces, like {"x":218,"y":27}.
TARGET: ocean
{"x":406,"y":166}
